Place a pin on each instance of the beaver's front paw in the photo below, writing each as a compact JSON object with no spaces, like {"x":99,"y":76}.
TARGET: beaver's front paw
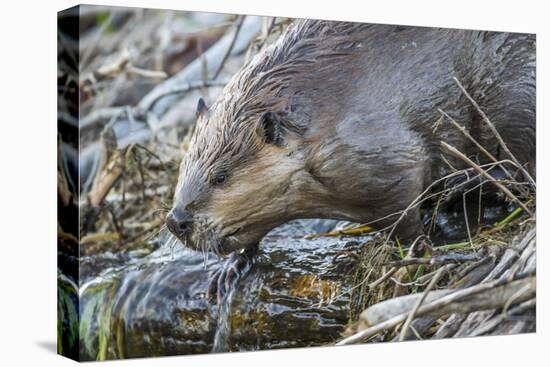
{"x":232,"y":270}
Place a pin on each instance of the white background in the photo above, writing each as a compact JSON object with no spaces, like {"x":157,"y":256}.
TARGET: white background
{"x":28,"y":182}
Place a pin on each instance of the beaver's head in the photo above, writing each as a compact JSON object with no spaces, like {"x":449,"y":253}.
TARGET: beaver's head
{"x":240,"y":177}
{"x":255,"y":161}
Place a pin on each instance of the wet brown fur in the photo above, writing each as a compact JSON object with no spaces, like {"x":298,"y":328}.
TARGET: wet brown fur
{"x":357,"y":105}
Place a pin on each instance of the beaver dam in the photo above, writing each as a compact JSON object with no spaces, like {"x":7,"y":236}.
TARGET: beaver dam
{"x":315,"y":282}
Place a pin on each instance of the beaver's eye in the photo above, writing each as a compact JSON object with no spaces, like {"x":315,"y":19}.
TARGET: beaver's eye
{"x":220,"y":179}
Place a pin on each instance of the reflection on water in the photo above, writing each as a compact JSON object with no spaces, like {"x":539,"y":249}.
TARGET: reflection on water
{"x":155,"y":305}
{"x":223,"y":326}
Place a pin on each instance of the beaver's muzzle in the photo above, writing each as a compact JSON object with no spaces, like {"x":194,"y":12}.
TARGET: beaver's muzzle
{"x":179,"y":222}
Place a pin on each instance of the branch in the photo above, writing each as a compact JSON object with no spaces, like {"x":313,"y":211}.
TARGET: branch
{"x":483,"y":296}
{"x":178,"y":89}
{"x":407,"y":323}
{"x":496,"y":133}
{"x":230,"y":48}
{"x":476,"y":143}
{"x":437,"y":260}
{"x":193,"y":72}
{"x":479,"y":170}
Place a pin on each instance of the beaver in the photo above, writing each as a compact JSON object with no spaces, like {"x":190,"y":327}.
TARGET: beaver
{"x":339,"y":120}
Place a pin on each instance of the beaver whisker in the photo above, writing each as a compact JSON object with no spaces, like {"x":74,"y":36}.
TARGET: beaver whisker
{"x":207,"y":237}
{"x":171,"y":241}
{"x":207,"y":241}
{"x":204,"y":246}
{"x":205,"y":256}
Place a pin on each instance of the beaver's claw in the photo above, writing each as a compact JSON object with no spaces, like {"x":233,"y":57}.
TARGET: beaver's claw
{"x":232,"y":270}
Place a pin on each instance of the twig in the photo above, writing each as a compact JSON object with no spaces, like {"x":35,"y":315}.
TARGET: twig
{"x":496,"y":133}
{"x":417,"y":201}
{"x":97,"y":237}
{"x":230,"y":48}
{"x":150,"y":153}
{"x":183,"y":89}
{"x":437,"y":260}
{"x":122,"y":64}
{"x":484,"y":173}
{"x":100,"y":115}
{"x":115,"y":67}
{"x":466,"y":220}
{"x":118,"y":227}
{"x":357,"y":231}
{"x":137,"y":158}
{"x":476,"y":143}
{"x":430,"y":286}
{"x":438,"y":305}
{"x":513,"y":215}
{"x":107,"y":181}
{"x":522,"y":307}
{"x":424,"y":195}
{"x":153,"y":74}
{"x":426,"y":277}
{"x":383,"y":278}
{"x":193,"y":72}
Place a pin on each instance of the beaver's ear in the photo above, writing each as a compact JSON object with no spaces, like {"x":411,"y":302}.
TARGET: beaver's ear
{"x":201,"y":107}
{"x":270,"y":128}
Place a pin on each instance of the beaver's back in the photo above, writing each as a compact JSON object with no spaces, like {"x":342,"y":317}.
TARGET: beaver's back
{"x":353,"y":81}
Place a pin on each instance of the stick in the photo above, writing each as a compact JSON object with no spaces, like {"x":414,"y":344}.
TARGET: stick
{"x":495,"y":132}
{"x":105,"y":180}
{"x":478,"y":169}
{"x":476,"y":143}
{"x":357,"y":231}
{"x":432,"y":307}
{"x":153,"y":74}
{"x":250,"y":28}
{"x":486,"y":327}
{"x":178,"y":89}
{"x":230,"y":48}
{"x":437,"y":260}
{"x":97,"y":237}
{"x":407,"y":323}
{"x":382,"y":278}
{"x":99,"y":115}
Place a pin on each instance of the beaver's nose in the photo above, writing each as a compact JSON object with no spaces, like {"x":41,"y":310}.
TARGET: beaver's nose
{"x":179,"y":222}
